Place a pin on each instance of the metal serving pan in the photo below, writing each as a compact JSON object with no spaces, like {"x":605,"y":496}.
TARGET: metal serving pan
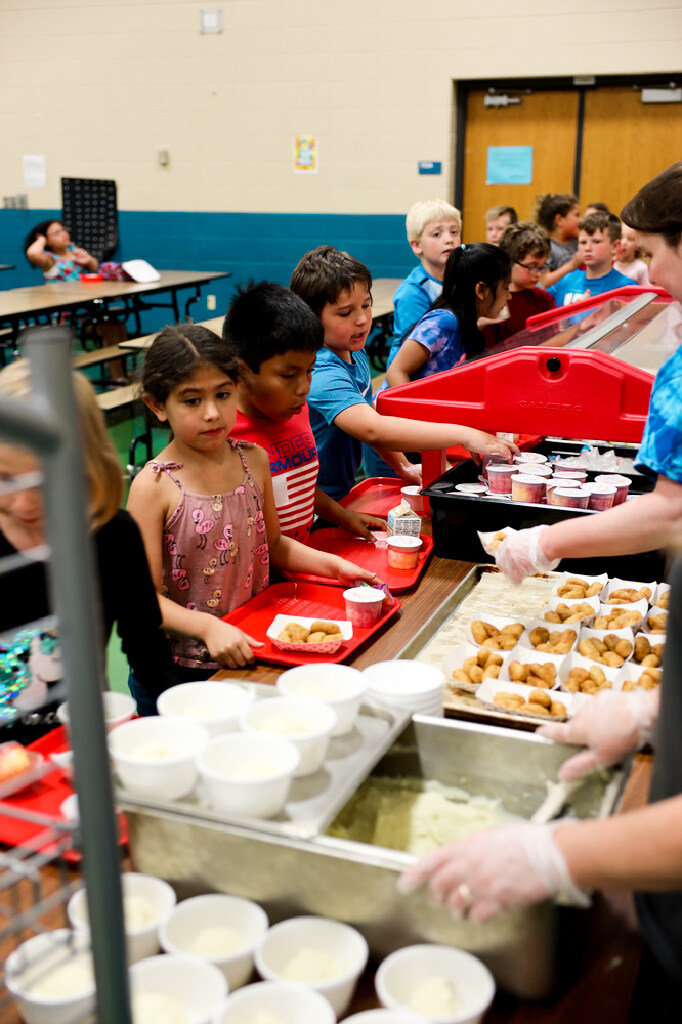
{"x":356,"y":883}
{"x":313,"y":799}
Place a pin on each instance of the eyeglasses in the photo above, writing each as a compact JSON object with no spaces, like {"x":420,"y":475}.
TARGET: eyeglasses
{"x":532,"y":269}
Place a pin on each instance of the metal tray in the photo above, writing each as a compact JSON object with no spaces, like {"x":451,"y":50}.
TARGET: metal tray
{"x":466,"y":705}
{"x":313,"y":799}
{"x":356,"y":883}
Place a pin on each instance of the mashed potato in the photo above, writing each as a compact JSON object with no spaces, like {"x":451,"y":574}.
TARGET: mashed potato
{"x":434,"y":997}
{"x":154,"y":1007}
{"x":312,"y":965}
{"x":217,"y":941}
{"x":414,"y":816}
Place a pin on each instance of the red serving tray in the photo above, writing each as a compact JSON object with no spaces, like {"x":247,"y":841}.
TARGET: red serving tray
{"x":339,"y":542}
{"x":298,"y":598}
{"x":44,"y":797}
{"x":374,"y":496}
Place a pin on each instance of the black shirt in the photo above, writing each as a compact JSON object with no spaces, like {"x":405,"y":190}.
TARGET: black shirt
{"x":128,"y":599}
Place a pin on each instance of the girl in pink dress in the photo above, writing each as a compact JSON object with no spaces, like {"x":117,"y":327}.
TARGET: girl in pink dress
{"x":205,"y":506}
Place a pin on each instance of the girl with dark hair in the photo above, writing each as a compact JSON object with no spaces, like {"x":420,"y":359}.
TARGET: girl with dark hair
{"x":48,"y":246}
{"x":205,"y":506}
{"x":475,"y":285}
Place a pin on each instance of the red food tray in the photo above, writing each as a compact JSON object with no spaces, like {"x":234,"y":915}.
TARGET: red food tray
{"x":296,"y":598}
{"x":374,"y":496}
{"x":44,"y":797}
{"x":366,"y":555}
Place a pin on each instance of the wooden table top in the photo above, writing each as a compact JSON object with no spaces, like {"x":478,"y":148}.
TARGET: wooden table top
{"x":602,"y":964}
{"x":44,"y":298}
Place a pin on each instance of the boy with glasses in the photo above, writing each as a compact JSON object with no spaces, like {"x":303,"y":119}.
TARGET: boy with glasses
{"x":527,"y":247}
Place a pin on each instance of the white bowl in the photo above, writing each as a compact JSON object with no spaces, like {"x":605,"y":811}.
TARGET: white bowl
{"x":135,"y":748}
{"x":118,"y":708}
{"x":195,"y":986}
{"x":27,"y":965}
{"x":275,"y":716}
{"x":248,"y":774}
{"x":404,"y":971}
{"x":337,"y":685}
{"x":191,"y":919}
{"x":217,"y":706}
{"x":290,"y":1004}
{"x":146,"y":897}
{"x":386,"y":1017}
{"x":404,"y":679}
{"x":295,"y":943}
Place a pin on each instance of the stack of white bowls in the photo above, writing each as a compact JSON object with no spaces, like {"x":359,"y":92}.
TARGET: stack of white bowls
{"x":405,"y":685}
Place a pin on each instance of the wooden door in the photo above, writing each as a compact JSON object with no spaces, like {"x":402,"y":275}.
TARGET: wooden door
{"x":625,"y":143}
{"x":545,"y":120}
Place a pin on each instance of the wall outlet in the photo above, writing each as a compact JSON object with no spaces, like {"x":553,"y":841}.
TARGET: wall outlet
{"x":210,"y":302}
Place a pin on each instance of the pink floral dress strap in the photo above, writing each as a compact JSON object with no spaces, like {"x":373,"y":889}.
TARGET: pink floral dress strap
{"x":158,"y":468}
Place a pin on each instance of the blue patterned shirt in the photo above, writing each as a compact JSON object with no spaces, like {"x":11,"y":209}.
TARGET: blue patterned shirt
{"x":661,"y":449}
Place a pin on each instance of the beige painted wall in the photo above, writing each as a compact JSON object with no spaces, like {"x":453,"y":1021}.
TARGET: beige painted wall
{"x":99,"y":86}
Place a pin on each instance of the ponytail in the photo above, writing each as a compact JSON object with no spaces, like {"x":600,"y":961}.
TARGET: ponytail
{"x":466,"y":267}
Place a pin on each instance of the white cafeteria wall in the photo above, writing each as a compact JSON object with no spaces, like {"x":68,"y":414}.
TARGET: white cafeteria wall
{"x":99,"y":87}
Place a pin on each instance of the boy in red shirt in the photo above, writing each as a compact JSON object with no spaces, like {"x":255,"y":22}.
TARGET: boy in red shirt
{"x":527,"y":247}
{"x":276,"y":336}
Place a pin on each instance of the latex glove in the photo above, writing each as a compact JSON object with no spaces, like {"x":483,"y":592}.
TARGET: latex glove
{"x":611,"y":726}
{"x":493,"y":870}
{"x":521,"y":554}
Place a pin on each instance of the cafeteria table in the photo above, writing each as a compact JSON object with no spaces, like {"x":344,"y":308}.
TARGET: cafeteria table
{"x":38,"y":303}
{"x":602,"y":965}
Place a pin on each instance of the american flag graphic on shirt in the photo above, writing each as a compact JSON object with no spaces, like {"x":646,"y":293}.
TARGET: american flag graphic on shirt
{"x":294,"y":491}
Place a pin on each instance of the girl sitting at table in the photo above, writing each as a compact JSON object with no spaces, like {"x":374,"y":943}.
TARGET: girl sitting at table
{"x":48,"y":246}
{"x":30,"y":661}
{"x":205,"y":506}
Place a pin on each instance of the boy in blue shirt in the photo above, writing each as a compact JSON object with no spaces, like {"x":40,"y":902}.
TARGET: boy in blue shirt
{"x":338,"y":290}
{"x":434,"y":229}
{"x":598,"y":244}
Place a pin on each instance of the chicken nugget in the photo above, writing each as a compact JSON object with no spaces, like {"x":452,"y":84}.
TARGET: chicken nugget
{"x":580,"y":674}
{"x":332,"y":638}
{"x":571,"y":592}
{"x":552,"y":616}
{"x":491,"y":672}
{"x":316,"y":638}
{"x":612,"y":659}
{"x":320,"y":626}
{"x":492,"y":643}
{"x":664,"y":600}
{"x":650,"y":660}
{"x":623,"y":647}
{"x":540,"y":635}
{"x":658,"y":622}
{"x":602,"y":622}
{"x":532,"y":708}
{"x":594,"y":589}
{"x":286,"y":637}
{"x":557,"y":709}
{"x":589,"y":649}
{"x":505,"y":641}
{"x":517,"y":671}
{"x":460,"y":675}
{"x":597,"y":675}
{"x":480,"y":630}
{"x":515,"y":628}
{"x":298,"y":632}
{"x":644,"y":593}
{"x":540,"y":697}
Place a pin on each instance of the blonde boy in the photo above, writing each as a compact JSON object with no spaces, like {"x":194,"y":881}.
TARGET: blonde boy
{"x":497,"y":220}
{"x":434,"y":229}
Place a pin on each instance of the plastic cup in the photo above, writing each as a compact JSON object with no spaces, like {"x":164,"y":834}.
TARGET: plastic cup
{"x":339,"y":686}
{"x":621,"y":483}
{"x":215,"y":705}
{"x":530,"y":458}
{"x":309,"y":724}
{"x":363,"y":606}
{"x":527,"y":487}
{"x":248,"y":774}
{"x":471,"y":488}
{"x":290,"y":1004}
{"x":156,"y":757}
{"x":403,"y":552}
{"x":536,"y":469}
{"x":35,"y":965}
{"x":579,"y":475}
{"x":401,"y":973}
{"x":570,"y":497}
{"x":500,"y":477}
{"x":602,"y":496}
{"x":195,"y":986}
{"x":419,"y":503}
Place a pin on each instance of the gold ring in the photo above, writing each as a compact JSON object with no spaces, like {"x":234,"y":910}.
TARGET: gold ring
{"x":464,"y":891}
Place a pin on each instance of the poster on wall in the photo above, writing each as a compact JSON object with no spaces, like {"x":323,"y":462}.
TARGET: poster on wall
{"x":305,"y":154}
{"x":35,"y":175}
{"x":509,"y":165}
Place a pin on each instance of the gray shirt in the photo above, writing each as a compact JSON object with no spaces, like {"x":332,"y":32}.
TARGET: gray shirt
{"x":561,"y":252}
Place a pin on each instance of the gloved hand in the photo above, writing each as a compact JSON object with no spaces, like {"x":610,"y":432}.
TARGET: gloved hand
{"x":521,"y":554}
{"x":611,"y":726}
{"x":493,"y":870}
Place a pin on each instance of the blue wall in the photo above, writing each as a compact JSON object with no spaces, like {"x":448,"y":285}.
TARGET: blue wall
{"x":250,"y":245}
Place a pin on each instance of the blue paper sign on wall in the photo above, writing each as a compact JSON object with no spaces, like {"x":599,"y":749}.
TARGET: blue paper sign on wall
{"x":509,"y":165}
{"x":429,"y":167}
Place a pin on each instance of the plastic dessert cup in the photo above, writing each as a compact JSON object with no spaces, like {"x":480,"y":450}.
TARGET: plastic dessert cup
{"x":290,"y":1004}
{"x":197,"y":987}
{"x":156,"y":757}
{"x":363,"y":606}
{"x":417,"y":502}
{"x":602,"y":496}
{"x":579,"y":475}
{"x":530,"y":458}
{"x":403,"y":552}
{"x":621,"y":483}
{"x":29,"y":970}
{"x":536,"y":469}
{"x":471,"y":488}
{"x":570,"y":497}
{"x":217,"y":706}
{"x":499,"y":478}
{"x":527,"y":487}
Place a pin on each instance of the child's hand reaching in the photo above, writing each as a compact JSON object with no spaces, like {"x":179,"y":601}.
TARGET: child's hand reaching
{"x":411,"y":473}
{"x":359,"y":524}
{"x":348,"y":573}
{"x":228,"y":645}
{"x":480,"y":443}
